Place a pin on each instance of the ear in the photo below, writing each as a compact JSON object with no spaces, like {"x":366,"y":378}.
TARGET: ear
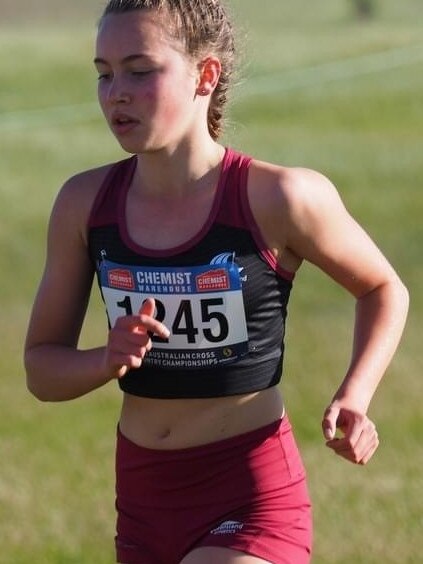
{"x":209,"y":73}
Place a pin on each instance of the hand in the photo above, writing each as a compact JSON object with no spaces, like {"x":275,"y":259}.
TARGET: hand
{"x":360,"y":439}
{"x":129,"y":340}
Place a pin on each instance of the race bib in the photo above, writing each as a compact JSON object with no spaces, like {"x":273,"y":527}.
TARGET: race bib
{"x":202,"y":306}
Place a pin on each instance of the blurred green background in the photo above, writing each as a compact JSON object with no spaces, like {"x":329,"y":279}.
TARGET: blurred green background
{"x":319,"y":86}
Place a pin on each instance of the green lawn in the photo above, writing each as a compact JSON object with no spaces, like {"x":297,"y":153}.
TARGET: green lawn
{"x":360,"y":121}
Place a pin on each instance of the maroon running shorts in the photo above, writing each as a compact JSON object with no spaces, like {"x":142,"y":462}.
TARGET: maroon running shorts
{"x":247,"y":493}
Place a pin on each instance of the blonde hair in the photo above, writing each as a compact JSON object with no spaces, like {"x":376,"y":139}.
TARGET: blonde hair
{"x":203,"y":27}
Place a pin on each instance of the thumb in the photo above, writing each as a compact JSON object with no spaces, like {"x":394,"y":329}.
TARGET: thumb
{"x":148,"y":307}
{"x":329,"y":422}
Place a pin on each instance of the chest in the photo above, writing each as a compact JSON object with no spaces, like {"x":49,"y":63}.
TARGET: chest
{"x":169,"y":222}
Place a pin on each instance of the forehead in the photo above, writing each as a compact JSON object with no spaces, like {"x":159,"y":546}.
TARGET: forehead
{"x":138,"y":30}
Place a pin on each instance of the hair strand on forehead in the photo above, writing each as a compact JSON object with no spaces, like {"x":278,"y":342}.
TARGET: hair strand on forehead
{"x":204,"y":28}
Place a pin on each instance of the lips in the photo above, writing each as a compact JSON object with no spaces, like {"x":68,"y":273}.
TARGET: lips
{"x":123,"y":123}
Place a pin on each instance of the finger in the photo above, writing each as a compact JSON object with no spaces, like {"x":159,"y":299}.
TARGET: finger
{"x":352,"y":426}
{"x":366,"y":437}
{"x":147,"y":312}
{"x":148,"y":307}
{"x":151,"y":325}
{"x":329,"y":423}
{"x":345,"y":445}
{"x":358,"y":458}
{"x":131,"y":345}
{"x":362,"y":451}
{"x":121,"y":371}
{"x":370,"y":453}
{"x":123,"y":363}
{"x":349,"y":442}
{"x":371,"y":444}
{"x":125,"y":353}
{"x":346,"y":452}
{"x":128,"y":346}
{"x":141,"y":324}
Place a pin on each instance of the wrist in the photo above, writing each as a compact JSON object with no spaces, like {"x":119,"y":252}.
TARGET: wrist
{"x":352,"y":400}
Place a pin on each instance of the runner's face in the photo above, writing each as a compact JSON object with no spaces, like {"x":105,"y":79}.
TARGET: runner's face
{"x":147,"y":85}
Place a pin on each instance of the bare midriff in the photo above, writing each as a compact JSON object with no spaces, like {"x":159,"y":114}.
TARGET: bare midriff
{"x":167,"y":424}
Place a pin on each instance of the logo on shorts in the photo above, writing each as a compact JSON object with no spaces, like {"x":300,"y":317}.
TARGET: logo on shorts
{"x":228,"y":528}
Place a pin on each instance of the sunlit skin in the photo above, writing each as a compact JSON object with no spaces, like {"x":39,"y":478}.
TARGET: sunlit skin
{"x":148,"y":89}
{"x":161,"y":115}
{"x":155,"y":99}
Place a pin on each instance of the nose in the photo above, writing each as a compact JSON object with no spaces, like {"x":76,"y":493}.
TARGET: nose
{"x":116,"y":92}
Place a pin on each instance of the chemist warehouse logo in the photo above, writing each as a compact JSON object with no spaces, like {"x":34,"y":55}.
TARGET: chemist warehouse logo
{"x":213,"y":280}
{"x":217,"y":279}
{"x":121,"y":278}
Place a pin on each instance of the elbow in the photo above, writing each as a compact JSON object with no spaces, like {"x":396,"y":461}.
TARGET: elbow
{"x":35,"y":388}
{"x":403,"y":295}
{"x":399,"y":299}
{"x":391,"y":296}
{"x":34,"y":382}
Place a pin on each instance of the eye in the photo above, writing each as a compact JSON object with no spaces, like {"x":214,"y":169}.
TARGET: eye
{"x":141,"y":73}
{"x":103,"y":76}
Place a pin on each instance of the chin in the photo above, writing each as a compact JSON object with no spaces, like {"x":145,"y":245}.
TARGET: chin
{"x":133,"y":148}
{"x":137,"y":145}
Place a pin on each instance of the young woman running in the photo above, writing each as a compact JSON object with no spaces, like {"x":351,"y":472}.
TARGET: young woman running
{"x":195,"y":247}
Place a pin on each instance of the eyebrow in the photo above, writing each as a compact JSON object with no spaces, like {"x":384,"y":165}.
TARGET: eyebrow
{"x":128,"y":59}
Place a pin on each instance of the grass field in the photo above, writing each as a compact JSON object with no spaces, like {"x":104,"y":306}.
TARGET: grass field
{"x":318,"y":88}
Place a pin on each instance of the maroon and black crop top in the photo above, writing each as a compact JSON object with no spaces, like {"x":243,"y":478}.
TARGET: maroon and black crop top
{"x":221,"y":294}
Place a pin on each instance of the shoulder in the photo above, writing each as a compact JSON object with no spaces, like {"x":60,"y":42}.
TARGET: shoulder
{"x":295,"y":209}
{"x":83,"y":187}
{"x":76,"y":197}
{"x":292,"y":196}
{"x":291,"y":186}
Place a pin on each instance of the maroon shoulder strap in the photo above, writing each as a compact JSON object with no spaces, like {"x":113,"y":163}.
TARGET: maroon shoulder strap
{"x":106,"y":204}
{"x":231,"y":208}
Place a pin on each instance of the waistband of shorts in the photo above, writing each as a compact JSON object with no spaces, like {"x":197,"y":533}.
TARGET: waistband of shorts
{"x":256,"y":436}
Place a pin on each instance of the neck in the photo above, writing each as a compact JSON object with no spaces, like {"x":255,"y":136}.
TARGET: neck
{"x":176,"y":173}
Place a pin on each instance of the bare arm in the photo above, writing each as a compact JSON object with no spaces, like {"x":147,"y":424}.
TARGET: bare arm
{"x":56,"y":369}
{"x":322,"y":232}
{"x":318,"y":228}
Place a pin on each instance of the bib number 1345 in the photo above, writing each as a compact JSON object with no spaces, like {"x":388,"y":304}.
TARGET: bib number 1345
{"x":213,"y":327}
{"x":202,"y":307}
